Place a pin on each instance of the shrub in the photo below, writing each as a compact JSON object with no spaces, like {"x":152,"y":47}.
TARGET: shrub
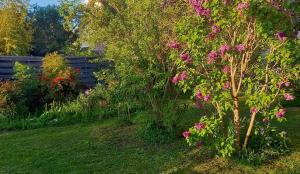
{"x":30,"y":97}
{"x":60,"y":81}
{"x":22,"y":95}
{"x":8,"y":92}
{"x":53,"y":63}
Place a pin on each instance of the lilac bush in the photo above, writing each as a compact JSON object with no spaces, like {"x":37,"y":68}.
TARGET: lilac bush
{"x":233,"y":53}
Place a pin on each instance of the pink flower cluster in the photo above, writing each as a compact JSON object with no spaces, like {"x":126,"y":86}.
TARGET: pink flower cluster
{"x":227,"y":85}
{"x":199,"y":96}
{"x":186,"y":134}
{"x":174,"y":45}
{"x":200,"y":126}
{"x":186,"y":58}
{"x":199,"y":9}
{"x":212,"y":56}
{"x":182,"y":76}
{"x":289,"y":97}
{"x":243,"y":5}
{"x":207,"y":98}
{"x":281,"y":113}
{"x":224,"y":49}
{"x":240,"y":48}
{"x":226,"y":70}
{"x":280,"y":84}
{"x":214,"y":31}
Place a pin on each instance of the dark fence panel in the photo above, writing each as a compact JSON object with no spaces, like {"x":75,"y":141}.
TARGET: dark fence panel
{"x":86,"y":67}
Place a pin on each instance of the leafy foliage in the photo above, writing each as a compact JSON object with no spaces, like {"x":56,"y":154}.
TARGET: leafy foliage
{"x":29,"y":99}
{"x":136,"y":45}
{"x":266,"y":144}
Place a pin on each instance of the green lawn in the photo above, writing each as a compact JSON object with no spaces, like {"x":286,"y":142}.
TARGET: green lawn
{"x":105,"y":147}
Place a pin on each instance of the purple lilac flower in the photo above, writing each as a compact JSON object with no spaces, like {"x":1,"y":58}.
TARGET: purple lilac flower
{"x":175,"y":79}
{"x":240,"y":48}
{"x":174,"y":45}
{"x":215,"y":29}
{"x":199,"y":95}
{"x":183,"y":75}
{"x":186,"y":134}
{"x":242,"y":6}
{"x":212,"y":56}
{"x":224,"y":49}
{"x":227,"y":85}
{"x":186,"y":58}
{"x":287,"y":84}
{"x":199,"y":9}
{"x":226,"y":70}
{"x":281,"y":113}
{"x":207,"y":98}
{"x":200,"y":126}
{"x":289,"y":97}
{"x":281,"y":36}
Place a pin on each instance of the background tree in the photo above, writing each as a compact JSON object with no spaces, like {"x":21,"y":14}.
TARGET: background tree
{"x":15,"y":29}
{"x":49,"y":34}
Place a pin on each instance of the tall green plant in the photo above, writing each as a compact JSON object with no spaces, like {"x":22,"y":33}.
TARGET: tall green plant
{"x":135,"y":37}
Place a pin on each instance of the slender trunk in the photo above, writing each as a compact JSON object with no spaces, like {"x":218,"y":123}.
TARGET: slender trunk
{"x":237,"y":127}
{"x":249,"y":130}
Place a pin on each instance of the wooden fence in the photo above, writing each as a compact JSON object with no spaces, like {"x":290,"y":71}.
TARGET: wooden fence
{"x":83,"y":63}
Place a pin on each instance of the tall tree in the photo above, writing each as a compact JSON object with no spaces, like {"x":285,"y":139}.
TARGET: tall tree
{"x":15,"y":29}
{"x":49,"y":33}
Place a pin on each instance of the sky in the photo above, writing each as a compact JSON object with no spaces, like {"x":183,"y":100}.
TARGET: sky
{"x":44,"y":2}
{"x":48,"y":2}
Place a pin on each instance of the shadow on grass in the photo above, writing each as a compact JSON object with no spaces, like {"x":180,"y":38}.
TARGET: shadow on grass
{"x":289,"y":163}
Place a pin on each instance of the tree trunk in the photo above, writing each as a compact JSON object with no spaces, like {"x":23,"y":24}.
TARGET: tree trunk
{"x":237,"y":127}
{"x":249,"y":130}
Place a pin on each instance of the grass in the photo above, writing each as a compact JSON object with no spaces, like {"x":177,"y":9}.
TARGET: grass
{"x":107,"y":147}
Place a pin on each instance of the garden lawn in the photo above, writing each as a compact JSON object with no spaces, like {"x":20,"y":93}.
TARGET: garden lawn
{"x":107,"y":147}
